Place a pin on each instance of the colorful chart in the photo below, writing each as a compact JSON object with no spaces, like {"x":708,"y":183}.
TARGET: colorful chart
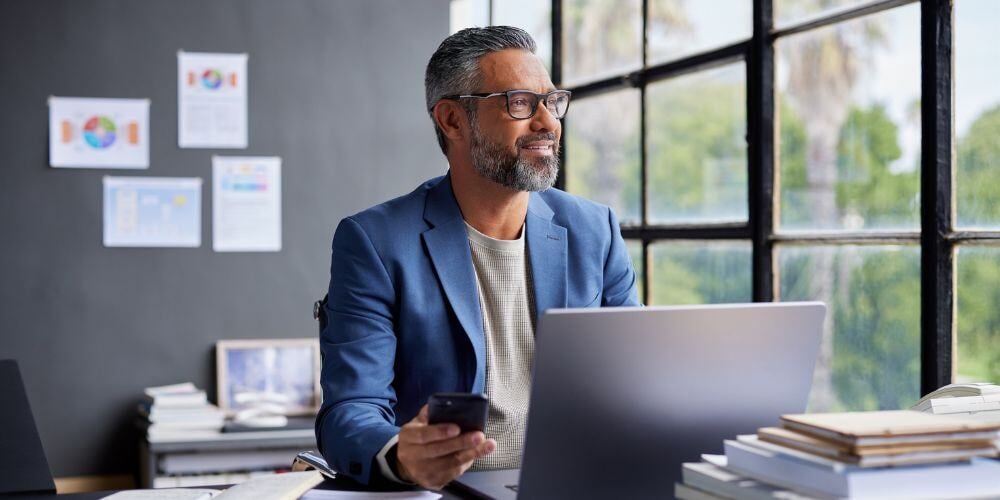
{"x":211,"y":79}
{"x":99,"y":132}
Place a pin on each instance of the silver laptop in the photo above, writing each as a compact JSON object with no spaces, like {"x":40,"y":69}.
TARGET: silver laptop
{"x":621,"y":397}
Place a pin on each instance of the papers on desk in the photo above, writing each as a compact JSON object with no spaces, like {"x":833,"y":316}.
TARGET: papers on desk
{"x":164,"y":494}
{"x":361,"y":495}
{"x":287,"y":486}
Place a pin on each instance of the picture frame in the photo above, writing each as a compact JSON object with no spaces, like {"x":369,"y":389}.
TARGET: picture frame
{"x":276,"y":371}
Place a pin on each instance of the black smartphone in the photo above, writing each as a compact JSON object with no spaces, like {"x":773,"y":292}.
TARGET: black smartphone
{"x":467,"y":411}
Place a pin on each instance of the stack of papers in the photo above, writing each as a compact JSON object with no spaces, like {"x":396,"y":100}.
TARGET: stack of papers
{"x":882,"y":454}
{"x":180,"y":411}
{"x":977,"y":401}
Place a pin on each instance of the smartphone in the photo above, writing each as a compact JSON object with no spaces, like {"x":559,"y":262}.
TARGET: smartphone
{"x":467,"y":411}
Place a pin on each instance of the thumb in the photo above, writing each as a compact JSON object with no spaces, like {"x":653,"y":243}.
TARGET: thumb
{"x":422,"y":416}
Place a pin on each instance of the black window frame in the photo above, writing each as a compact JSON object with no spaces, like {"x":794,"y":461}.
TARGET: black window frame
{"x":937,"y":238}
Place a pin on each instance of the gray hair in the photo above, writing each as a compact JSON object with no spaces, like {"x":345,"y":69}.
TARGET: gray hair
{"x":454,"y":67}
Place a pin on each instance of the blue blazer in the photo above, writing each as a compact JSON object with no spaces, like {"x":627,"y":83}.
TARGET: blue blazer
{"x":404,"y":320}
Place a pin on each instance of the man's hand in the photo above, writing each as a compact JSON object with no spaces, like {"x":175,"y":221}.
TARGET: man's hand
{"x":433,"y":455}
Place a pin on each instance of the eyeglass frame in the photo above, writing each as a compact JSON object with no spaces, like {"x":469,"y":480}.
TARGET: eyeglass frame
{"x":541,"y":98}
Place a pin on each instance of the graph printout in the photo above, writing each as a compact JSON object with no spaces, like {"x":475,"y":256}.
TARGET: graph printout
{"x":98,"y":133}
{"x":152,"y":212}
{"x":246,"y":204}
{"x":211,"y":100}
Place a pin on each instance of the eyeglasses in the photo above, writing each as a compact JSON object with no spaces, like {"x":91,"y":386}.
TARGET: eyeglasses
{"x":522,"y":104}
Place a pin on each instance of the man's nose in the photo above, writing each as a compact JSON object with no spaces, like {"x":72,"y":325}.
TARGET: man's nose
{"x":544,"y":120}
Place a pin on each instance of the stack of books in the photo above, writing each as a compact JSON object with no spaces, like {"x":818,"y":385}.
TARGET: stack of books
{"x":178,"y":412}
{"x":880,"y":454}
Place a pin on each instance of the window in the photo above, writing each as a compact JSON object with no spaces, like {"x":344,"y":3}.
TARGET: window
{"x":785,"y":137}
{"x":696,"y":147}
{"x":977,"y":157}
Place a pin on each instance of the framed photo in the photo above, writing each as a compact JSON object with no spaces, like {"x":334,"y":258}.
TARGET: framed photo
{"x":274,"y":371}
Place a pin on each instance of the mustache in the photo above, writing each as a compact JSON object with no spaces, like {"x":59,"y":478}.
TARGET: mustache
{"x":546,"y":136}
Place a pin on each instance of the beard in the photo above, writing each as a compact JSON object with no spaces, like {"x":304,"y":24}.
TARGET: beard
{"x":495,"y":162}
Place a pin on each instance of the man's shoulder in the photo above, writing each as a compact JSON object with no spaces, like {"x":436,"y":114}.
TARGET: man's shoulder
{"x":572,"y":208}
{"x":401,"y":212}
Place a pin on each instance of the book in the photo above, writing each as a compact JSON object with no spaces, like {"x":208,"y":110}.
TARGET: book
{"x":822,"y":477}
{"x":878,"y":456}
{"x":889,"y":427}
{"x":719,"y":481}
{"x":182,"y":388}
{"x":685,"y":492}
{"x":195,"y":399}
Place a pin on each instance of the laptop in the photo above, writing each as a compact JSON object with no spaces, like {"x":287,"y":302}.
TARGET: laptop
{"x":23,"y":467}
{"x":621,"y":397}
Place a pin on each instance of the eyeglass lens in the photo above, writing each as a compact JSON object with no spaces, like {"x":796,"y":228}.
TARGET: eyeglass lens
{"x":522,"y":104}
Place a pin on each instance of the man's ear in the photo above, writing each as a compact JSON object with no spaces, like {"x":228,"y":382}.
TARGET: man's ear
{"x":452,"y":119}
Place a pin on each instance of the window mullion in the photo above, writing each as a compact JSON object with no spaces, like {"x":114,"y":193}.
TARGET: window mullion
{"x":760,"y":134}
{"x":937,"y":292}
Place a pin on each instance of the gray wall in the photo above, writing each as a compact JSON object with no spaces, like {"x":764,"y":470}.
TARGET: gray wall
{"x":336,"y":89}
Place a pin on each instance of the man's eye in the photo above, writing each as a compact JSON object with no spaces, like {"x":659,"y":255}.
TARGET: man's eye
{"x":519,"y":103}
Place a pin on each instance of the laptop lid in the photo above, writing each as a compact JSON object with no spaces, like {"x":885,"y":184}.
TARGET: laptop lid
{"x":22,"y":459}
{"x":621,"y":397}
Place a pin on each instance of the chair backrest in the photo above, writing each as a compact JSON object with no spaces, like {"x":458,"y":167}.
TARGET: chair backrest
{"x":23,"y":467}
{"x":319,"y":312}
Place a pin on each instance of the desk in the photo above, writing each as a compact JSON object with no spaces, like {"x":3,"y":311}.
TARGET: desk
{"x":342,"y":484}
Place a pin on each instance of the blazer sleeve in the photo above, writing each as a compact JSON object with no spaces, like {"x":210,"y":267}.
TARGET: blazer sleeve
{"x":358,"y":349}
{"x":619,"y":276}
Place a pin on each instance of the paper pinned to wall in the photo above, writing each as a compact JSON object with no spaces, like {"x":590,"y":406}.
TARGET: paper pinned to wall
{"x":152,"y":212}
{"x":246,"y":204}
{"x":211,"y":100}
{"x":98,"y":133}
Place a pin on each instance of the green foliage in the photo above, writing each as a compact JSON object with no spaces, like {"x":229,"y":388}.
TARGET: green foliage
{"x":978,"y":155}
{"x":979,"y":314}
{"x":791,"y":165}
{"x":701,"y":274}
{"x":868,"y":145}
{"x":978,"y":204}
{"x":876,"y":346}
{"x":697,"y":149}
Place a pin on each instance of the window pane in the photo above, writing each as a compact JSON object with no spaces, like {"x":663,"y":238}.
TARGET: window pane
{"x":849,"y":107}
{"x":701,"y":272}
{"x":600,"y":39}
{"x":532,"y":16}
{"x":697,"y":147}
{"x":602,"y":162}
{"x":978,"y":356}
{"x":977,"y":113}
{"x":635,"y":252}
{"x":870,"y":354}
{"x":788,"y":12}
{"x":679,"y":28}
{"x":468,"y":14}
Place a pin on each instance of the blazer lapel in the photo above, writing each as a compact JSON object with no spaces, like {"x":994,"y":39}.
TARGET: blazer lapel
{"x":447,"y":243}
{"x":547,"y":255}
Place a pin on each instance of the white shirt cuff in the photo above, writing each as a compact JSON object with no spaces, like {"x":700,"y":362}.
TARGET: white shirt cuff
{"x":383,"y":464}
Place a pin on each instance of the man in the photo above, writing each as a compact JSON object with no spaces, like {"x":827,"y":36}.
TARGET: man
{"x":440,"y":290}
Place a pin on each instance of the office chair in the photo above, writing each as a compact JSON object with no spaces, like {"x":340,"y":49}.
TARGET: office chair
{"x":23,"y":467}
